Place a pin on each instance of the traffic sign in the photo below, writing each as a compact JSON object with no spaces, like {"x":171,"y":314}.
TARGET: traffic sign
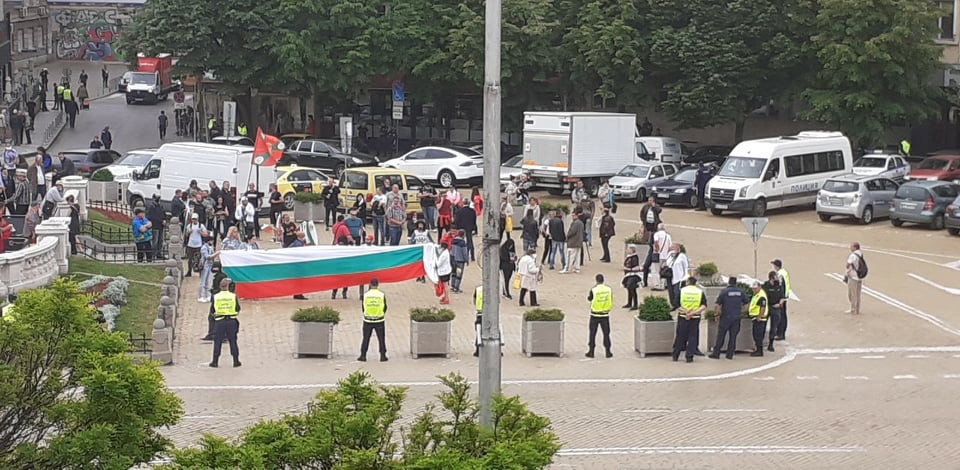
{"x":397,"y":110}
{"x":755,"y":226}
{"x":398,"y":94}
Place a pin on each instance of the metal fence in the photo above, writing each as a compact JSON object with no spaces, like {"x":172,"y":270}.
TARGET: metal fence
{"x":141,"y":344}
{"x":117,"y":207}
{"x":105,"y":233}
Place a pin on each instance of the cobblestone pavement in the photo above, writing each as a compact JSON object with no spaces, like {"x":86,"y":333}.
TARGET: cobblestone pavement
{"x":868,"y":391}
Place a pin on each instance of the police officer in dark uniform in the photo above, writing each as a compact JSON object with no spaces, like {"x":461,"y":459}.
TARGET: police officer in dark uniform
{"x":374,"y":309}
{"x":218,"y":275}
{"x":601,"y":302}
{"x":227,"y":307}
{"x":693,"y":302}
{"x":729,"y":303}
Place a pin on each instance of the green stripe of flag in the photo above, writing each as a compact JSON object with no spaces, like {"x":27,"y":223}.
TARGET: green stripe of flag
{"x":328,"y":267}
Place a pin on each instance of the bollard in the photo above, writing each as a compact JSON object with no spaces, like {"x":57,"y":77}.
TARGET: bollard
{"x":162,"y":350}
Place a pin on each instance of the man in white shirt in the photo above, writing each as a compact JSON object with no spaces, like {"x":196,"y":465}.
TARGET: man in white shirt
{"x":245,"y":212}
{"x":662,"y":241}
{"x":54,"y":196}
{"x":680,"y":267}
{"x":854,"y":283}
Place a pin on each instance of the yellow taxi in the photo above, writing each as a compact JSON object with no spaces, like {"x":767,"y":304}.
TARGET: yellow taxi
{"x":366,"y":180}
{"x":294,"y":179}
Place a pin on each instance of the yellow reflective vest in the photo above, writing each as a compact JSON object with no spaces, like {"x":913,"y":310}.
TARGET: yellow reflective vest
{"x":225,"y":304}
{"x":602,"y":301}
{"x":691,"y":298}
{"x":478,"y":299}
{"x":374,"y":304}
{"x":242,"y":130}
{"x":67,"y":94}
{"x":786,"y":282}
{"x":755,"y":306}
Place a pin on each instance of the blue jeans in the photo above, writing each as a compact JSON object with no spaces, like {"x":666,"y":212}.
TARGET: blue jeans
{"x":527,"y":244}
{"x":395,"y":232}
{"x":205,"y":276}
{"x":457,"y":276}
{"x":379,"y":230}
{"x":561,"y":248}
{"x":469,"y":236}
{"x":430,"y":213}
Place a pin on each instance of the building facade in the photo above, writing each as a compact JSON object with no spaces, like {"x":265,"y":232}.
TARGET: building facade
{"x":90,"y":29}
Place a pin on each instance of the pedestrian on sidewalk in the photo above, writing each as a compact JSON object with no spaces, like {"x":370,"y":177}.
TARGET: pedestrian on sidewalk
{"x":71,"y":107}
{"x":226,"y":307}
{"x":105,"y":78}
{"x":775,"y":300}
{"x":607,"y":231}
{"x":693,"y":302}
{"x":16,"y":125}
{"x":32,"y":107}
{"x":759,"y":309}
{"x":58,"y":97}
{"x":575,"y":240}
{"x":631,"y":277}
{"x":95,"y":143}
{"x":508,"y":264}
{"x":106,"y":137}
{"x":44,"y":79}
{"x":784,"y":278}
{"x":444,"y":270}
{"x":162,"y":124}
{"x":530,"y":276}
{"x":83,"y":97}
{"x":856,"y":271}
{"x":83,"y":77}
{"x":142,"y":235}
{"x":27,"y":126}
{"x":374,"y":310}
{"x":601,"y":302}
{"x":37,"y":180}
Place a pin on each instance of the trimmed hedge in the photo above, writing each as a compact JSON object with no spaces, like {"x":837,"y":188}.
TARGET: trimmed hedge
{"x":316,"y":315}
{"x":543,"y":314}
{"x":655,"y":308}
{"x":431,"y":314}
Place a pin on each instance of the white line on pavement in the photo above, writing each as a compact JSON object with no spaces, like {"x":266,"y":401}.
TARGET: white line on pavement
{"x":951,"y":376}
{"x":807,"y":377}
{"x":736,"y":410}
{"x":825,"y":358}
{"x":949,"y":290}
{"x":917,"y":356}
{"x":873,"y":357}
{"x":773,"y":449}
{"x":856,"y":377}
{"x":881,"y":349}
{"x":905,"y":377}
{"x":649,"y":410}
{"x":765,"y":379}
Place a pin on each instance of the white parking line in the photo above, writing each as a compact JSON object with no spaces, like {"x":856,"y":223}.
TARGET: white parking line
{"x":825,"y":358}
{"x":856,"y":377}
{"x":807,"y":377}
{"x":905,"y":377}
{"x":917,"y":356}
{"x":872,"y":357}
{"x":764,"y":379}
{"x":736,"y":410}
{"x":951,"y":376}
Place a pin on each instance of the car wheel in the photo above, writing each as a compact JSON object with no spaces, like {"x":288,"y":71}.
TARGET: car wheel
{"x":954,"y":231}
{"x":823,"y":217}
{"x":867,"y":215}
{"x":288,"y":201}
{"x":896,"y":222}
{"x":692,"y":201}
{"x":136,"y":201}
{"x":555,"y":191}
{"x":937,"y":223}
{"x":716,"y":211}
{"x":446,"y":179}
{"x":760,"y":207}
{"x":641,"y":195}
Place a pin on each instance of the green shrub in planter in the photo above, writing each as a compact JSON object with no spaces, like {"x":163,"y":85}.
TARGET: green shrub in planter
{"x":316,"y":315}
{"x":543,"y":314}
{"x":102,"y":174}
{"x":547,"y":207}
{"x":308,"y":197}
{"x":655,"y":308}
{"x":431,"y":314}
{"x":707,"y":270}
{"x":634,"y":240}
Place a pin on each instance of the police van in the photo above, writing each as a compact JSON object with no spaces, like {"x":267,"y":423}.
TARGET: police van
{"x":778,"y":172}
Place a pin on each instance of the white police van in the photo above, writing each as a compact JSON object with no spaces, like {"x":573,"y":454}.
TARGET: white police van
{"x":778,"y":172}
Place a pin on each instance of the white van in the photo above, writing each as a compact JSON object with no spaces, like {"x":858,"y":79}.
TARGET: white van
{"x":778,"y":172}
{"x":175,"y":165}
{"x":664,"y":149}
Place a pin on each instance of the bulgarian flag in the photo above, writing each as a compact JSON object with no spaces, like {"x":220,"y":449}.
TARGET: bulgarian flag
{"x":283,"y":272}
{"x":267,"y":149}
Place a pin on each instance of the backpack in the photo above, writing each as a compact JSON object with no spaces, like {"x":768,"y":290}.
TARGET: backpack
{"x":862,"y":269}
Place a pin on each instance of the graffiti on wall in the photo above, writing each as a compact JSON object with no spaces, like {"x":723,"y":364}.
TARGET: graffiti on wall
{"x":89,"y":34}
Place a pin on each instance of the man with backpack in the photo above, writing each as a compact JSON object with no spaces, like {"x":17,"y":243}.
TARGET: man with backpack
{"x":856,"y":272}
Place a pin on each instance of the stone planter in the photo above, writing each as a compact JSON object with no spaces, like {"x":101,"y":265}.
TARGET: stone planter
{"x":103,"y":191}
{"x":306,"y":211}
{"x":653,"y":337}
{"x":313,"y":339}
{"x":542,"y":337}
{"x":744,"y":337}
{"x":712,"y":292}
{"x":429,"y":338}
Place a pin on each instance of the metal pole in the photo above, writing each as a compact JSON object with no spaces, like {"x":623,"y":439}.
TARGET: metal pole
{"x":490,"y":328}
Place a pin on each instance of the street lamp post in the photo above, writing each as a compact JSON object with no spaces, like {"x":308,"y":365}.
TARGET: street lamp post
{"x":490,"y":327}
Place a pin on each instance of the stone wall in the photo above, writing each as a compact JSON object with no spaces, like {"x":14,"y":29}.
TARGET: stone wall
{"x":39,"y":264}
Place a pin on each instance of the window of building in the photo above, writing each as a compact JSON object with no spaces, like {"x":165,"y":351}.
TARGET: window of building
{"x":38,"y":38}
{"x":20,"y":41}
{"x":29,"y":38}
{"x":947,"y":21}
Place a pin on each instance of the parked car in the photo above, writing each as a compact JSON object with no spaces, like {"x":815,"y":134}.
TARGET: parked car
{"x":882,"y":164}
{"x":633,"y":181}
{"x":366,"y":180}
{"x":289,"y":139}
{"x":952,"y":221}
{"x":680,"y":188}
{"x":134,"y":160}
{"x":446,"y":165}
{"x":709,"y":154}
{"x":86,"y":161}
{"x":923,"y":202}
{"x":316,"y":153}
{"x":510,"y":169}
{"x":294,"y":179}
{"x":235,"y":140}
{"x":863,"y":197}
{"x":124,"y":81}
{"x":937,"y":167}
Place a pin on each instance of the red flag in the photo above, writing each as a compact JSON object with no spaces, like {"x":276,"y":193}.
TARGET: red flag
{"x":267,"y":149}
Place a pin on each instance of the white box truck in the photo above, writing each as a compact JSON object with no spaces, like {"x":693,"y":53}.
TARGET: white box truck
{"x":561,"y":148}
{"x":176,"y":164}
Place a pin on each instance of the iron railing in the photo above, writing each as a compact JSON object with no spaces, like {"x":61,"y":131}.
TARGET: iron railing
{"x":141,"y":344}
{"x":118,"y":207}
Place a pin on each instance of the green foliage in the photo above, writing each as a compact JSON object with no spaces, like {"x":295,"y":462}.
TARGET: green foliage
{"x":543,"y":314}
{"x":323,"y":314}
{"x":431,"y":314}
{"x":559,"y":207}
{"x":353,"y":427}
{"x":877,"y":62}
{"x":70,"y":394}
{"x":102,"y":174}
{"x":707,"y":270}
{"x":308,"y":197}
{"x":655,"y":308}
{"x":634,"y":239}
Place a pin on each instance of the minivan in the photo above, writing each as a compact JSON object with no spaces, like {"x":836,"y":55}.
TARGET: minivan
{"x":366,"y":180}
{"x":664,"y":149}
{"x":778,"y":172}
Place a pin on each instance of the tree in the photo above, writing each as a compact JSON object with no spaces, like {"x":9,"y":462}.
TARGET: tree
{"x":70,"y":396}
{"x":353,"y":426}
{"x":878,"y":61}
{"x":718,"y":61}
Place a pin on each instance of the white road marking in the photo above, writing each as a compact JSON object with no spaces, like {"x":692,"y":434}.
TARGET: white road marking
{"x":882,"y":349}
{"x":825,"y":358}
{"x":905,"y":377}
{"x":873,"y":357}
{"x":770,"y":449}
{"x":951,"y":376}
{"x":953,"y":265}
{"x":765,"y":379}
{"x":856,"y":377}
{"x":736,"y":410}
{"x":902,"y":306}
{"x":917,"y":356}
{"x":807,"y":377}
{"x":949,"y":290}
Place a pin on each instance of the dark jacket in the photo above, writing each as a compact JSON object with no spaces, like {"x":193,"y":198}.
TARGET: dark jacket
{"x":331,"y":196}
{"x":466,"y":219}
{"x":177,"y":208}
{"x":656,"y":217}
{"x":557,"y":233}
{"x":774,"y":293}
{"x":508,"y":256}
{"x":459,"y":251}
{"x":67,"y":168}
{"x":155,"y":214}
{"x":607,"y":226}
{"x":531,"y":229}
{"x":576,"y":234}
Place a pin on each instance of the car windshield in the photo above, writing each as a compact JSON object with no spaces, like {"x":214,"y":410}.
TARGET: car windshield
{"x":686,"y":176}
{"x":743,"y":167}
{"x":143,"y":79}
{"x":637,"y":171}
{"x":934,"y":164}
{"x":912,"y":193}
{"x":514,"y":161}
{"x":354,"y":180}
{"x":835,"y":186}
{"x":136,"y":159}
{"x":871,"y":162}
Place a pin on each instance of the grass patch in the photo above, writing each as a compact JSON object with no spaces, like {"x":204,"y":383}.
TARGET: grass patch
{"x":102,"y":225}
{"x":137,"y":316}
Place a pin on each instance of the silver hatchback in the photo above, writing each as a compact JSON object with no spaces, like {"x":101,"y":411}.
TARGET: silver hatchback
{"x":861,"y":197}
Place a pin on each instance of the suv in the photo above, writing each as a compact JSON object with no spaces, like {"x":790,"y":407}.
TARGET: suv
{"x":860,"y":197}
{"x":315,"y":153}
{"x":953,"y":217}
{"x":88,"y":161}
{"x":923,"y":202}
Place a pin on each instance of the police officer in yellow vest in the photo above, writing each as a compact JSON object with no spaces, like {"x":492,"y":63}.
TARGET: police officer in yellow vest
{"x":478,"y":303}
{"x":758,"y":313}
{"x":58,"y":97}
{"x":601,"y":302}
{"x":242,"y":129}
{"x":693,"y":302}
{"x":374,"y":308}
{"x":226,"y":325}
{"x":67,"y":93}
{"x":781,"y":332}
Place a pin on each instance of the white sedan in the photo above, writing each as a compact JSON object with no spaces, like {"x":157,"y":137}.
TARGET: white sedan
{"x":894,"y":167}
{"x":447,"y":166}
{"x":133,"y":160}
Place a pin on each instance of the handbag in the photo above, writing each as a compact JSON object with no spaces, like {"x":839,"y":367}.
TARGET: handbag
{"x":509,"y":224}
{"x":666,"y":270}
{"x":438,"y":289}
{"x":516,"y":281}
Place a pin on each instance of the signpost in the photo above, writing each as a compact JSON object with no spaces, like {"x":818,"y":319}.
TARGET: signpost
{"x":755,"y":226}
{"x":229,"y":118}
{"x":346,"y":135}
{"x":398,"y":97}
